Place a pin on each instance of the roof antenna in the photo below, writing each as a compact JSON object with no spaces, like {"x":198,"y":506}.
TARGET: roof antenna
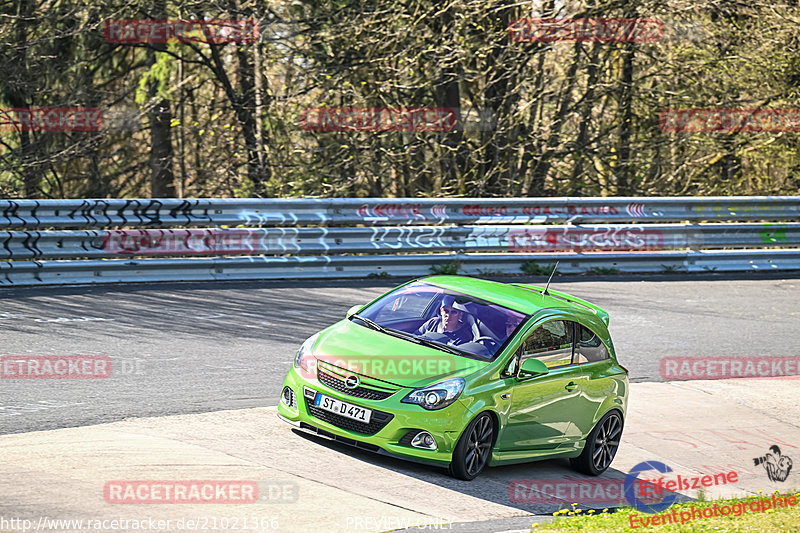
{"x":544,"y":292}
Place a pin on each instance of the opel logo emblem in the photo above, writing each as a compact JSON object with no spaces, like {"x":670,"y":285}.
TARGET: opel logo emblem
{"x":351,"y":381}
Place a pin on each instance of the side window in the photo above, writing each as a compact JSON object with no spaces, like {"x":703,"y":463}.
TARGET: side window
{"x":589,"y":347}
{"x":551,"y":343}
{"x":511,"y":367}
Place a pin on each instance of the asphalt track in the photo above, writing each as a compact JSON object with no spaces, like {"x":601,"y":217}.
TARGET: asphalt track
{"x":190,"y":348}
{"x":197,"y":369}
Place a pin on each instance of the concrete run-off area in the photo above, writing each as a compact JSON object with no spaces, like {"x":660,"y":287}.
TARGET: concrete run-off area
{"x":161,"y":469}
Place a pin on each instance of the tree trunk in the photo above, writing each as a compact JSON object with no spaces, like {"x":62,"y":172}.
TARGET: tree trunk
{"x":581,"y":142}
{"x":448,"y":95}
{"x":18,"y":95}
{"x":162,"y":179}
{"x":623,"y":168}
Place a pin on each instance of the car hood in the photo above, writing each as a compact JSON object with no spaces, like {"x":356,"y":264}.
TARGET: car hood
{"x":371,"y":353}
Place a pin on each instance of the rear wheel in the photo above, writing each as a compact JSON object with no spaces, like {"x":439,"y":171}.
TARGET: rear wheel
{"x":601,"y":445}
{"x":473,"y":448}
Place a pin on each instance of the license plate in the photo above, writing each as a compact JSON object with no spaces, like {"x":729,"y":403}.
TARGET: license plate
{"x":343,"y":408}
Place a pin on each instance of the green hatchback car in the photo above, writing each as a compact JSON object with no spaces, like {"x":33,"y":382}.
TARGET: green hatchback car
{"x":464,"y":373}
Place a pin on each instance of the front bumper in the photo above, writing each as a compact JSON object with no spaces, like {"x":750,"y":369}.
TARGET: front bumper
{"x":391,"y":421}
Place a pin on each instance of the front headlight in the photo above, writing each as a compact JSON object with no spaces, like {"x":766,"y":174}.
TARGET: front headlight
{"x":304,"y":355}
{"x":436,"y":396}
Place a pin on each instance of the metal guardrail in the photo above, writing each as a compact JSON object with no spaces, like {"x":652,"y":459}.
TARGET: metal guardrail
{"x":205,"y":212}
{"x":299,"y":267}
{"x":204,"y":239}
{"x":396,"y":239}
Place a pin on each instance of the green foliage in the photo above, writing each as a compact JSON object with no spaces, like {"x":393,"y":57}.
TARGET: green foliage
{"x":563,"y":118}
{"x":737,"y":518}
{"x":535,"y":269}
{"x":159,"y":75}
{"x":450,"y":268}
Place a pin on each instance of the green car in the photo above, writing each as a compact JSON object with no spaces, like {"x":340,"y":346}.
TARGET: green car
{"x":464,"y":372}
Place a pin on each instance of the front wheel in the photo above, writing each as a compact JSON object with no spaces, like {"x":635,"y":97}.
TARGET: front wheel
{"x":601,"y":446}
{"x":473,"y":448}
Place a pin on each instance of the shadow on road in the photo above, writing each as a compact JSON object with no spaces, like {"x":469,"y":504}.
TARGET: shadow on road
{"x":492,"y":485}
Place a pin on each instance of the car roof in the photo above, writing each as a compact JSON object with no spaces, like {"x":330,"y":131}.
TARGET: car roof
{"x":520,"y":297}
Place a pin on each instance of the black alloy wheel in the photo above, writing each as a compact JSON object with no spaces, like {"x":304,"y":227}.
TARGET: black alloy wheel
{"x":601,"y":445}
{"x":473,"y":449}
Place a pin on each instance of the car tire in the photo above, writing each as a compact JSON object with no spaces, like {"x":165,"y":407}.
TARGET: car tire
{"x":473,"y":449}
{"x":601,"y":445}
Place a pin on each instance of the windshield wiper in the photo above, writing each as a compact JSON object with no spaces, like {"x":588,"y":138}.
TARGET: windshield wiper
{"x":409,"y":337}
{"x":388,"y":331}
{"x":425,"y":342}
{"x":440,"y":346}
{"x":370,"y":323}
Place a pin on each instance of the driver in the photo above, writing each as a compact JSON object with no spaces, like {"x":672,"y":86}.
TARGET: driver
{"x":451,"y":322}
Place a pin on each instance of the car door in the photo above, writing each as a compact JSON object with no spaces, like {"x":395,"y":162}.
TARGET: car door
{"x":540,"y":410}
{"x":591,"y":373}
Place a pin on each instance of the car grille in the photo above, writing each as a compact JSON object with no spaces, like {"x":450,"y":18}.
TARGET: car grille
{"x":359,"y":392}
{"x":377,"y":422}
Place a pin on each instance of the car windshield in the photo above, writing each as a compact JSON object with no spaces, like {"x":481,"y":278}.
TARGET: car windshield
{"x":443,"y":319}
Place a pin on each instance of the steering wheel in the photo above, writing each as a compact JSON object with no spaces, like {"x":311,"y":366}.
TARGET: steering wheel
{"x":494,"y":343}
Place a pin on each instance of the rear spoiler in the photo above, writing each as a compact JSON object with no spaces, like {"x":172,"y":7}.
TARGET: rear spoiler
{"x":601,"y":313}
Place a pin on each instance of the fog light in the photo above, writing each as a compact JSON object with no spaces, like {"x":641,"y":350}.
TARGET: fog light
{"x":287,"y":397}
{"x":424,"y":440}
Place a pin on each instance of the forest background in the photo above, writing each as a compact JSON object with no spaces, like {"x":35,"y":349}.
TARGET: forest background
{"x":531,"y":117}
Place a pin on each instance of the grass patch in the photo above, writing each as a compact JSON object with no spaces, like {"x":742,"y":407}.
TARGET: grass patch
{"x":770,"y":521}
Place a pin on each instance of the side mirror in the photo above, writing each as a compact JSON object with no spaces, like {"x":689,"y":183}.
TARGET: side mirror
{"x":533,"y":367}
{"x":353,"y":310}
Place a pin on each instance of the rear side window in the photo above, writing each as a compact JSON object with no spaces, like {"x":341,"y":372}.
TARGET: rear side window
{"x":551,"y":343}
{"x":589,"y":348}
